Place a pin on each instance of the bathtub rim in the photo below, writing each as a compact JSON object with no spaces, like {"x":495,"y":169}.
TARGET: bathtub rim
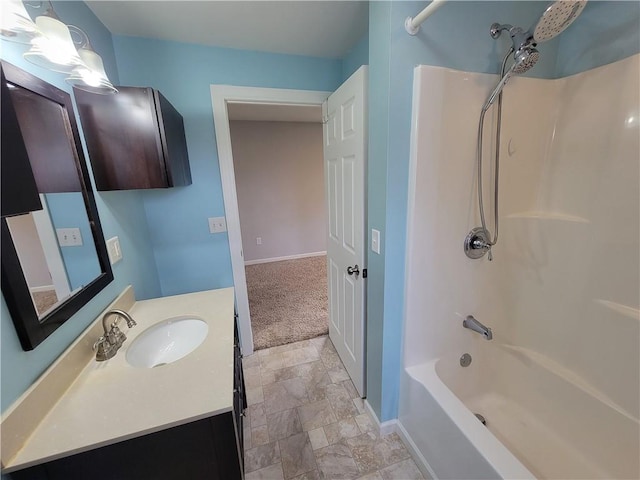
{"x":497,"y":455}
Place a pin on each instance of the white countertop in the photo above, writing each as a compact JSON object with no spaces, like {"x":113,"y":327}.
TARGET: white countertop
{"x":112,"y":401}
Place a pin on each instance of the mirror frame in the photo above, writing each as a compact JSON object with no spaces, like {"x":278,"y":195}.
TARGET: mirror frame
{"x":32,"y":330}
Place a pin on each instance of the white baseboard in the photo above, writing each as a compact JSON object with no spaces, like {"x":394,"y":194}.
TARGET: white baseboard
{"x":394,"y":426}
{"x":42,"y":288}
{"x":421,"y":462}
{"x":384,"y":428}
{"x":288,"y":257}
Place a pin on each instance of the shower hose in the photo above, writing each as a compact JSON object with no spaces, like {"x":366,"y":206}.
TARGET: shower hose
{"x":491,"y":241}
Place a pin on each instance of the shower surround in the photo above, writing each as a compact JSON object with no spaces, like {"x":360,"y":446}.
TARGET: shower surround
{"x":559,"y":383}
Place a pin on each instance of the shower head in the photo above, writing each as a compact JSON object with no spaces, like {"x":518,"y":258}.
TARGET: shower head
{"x":525,"y":58}
{"x":556,"y":18}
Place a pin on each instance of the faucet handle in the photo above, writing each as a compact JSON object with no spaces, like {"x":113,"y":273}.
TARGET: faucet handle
{"x":118,"y":336}
{"x":105,"y":349}
{"x":98,"y":342}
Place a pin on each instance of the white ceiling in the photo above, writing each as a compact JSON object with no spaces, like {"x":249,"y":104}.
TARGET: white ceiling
{"x":314,"y":28}
{"x":275,"y":112}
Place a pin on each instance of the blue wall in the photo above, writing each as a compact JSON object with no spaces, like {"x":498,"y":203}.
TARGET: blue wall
{"x":188,"y":257}
{"x":356,"y":57}
{"x":121,"y":213}
{"x":456,"y":36}
{"x":606,"y":31}
{"x":67,"y":210}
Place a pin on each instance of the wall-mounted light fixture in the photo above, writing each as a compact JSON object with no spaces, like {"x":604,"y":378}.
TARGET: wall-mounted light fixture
{"x":89,"y":75}
{"x":15,"y":23}
{"x":53,"y":48}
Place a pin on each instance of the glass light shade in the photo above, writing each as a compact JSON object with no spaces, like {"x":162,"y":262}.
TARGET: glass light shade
{"x":90,"y":76}
{"x":15,"y":23}
{"x":54,"y":49}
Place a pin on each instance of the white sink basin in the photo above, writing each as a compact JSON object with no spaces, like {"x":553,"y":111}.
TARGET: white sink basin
{"x":167,"y":341}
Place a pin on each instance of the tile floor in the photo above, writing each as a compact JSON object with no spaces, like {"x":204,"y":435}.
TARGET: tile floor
{"x":305,"y":420}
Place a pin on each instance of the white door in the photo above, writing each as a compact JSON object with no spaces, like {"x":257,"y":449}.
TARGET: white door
{"x":345,"y":155}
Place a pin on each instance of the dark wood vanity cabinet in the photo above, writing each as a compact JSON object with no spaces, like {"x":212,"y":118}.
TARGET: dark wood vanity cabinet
{"x":135,"y":139}
{"x":239,"y":393}
{"x":211,"y":449}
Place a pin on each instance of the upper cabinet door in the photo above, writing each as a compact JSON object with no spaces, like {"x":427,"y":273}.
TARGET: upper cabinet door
{"x":19,"y":190}
{"x":135,"y":139}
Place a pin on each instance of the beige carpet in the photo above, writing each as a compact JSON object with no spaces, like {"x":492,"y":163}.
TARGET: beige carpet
{"x":44,"y":300}
{"x":288,"y":301}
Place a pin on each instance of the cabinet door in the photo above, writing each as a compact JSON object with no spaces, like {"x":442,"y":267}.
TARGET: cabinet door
{"x":19,"y":191}
{"x":174,"y":142}
{"x":123,"y":139}
{"x":239,"y":393}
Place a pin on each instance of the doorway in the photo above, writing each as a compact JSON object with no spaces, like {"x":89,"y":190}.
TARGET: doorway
{"x":278,"y":163}
{"x":344,"y":145}
{"x":222,"y":96}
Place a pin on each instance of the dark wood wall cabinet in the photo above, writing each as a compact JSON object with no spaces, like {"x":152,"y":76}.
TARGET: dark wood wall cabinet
{"x":135,"y":139}
{"x":19,"y":190}
{"x":211,"y":449}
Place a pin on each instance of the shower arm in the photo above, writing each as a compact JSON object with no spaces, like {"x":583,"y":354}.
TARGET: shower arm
{"x":497,"y":29}
{"x":519,"y":37}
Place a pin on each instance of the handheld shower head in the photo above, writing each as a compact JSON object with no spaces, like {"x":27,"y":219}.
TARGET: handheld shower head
{"x":525,"y":58}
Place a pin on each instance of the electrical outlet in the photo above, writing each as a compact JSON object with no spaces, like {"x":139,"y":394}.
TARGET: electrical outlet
{"x":258,"y":240}
{"x":114,"y":251}
{"x":217,"y":224}
{"x":69,"y":237}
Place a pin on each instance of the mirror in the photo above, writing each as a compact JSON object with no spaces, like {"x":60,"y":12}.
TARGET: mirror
{"x":54,"y":258}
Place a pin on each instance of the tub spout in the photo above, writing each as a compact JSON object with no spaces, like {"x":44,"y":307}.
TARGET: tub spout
{"x":473,"y":324}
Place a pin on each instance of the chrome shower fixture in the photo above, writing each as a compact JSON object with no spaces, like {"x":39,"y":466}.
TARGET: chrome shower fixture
{"x":525,"y":58}
{"x":553,"y":21}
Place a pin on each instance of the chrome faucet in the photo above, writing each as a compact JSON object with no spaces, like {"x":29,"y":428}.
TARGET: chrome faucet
{"x":112,"y":339}
{"x":473,"y":324}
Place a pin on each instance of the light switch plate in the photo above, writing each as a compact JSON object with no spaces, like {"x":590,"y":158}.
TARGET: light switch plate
{"x":114,"y":251}
{"x":375,"y":240}
{"x":217,"y":224}
{"x":69,"y":237}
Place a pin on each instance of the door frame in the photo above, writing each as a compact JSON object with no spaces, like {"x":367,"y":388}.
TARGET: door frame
{"x":221,"y":95}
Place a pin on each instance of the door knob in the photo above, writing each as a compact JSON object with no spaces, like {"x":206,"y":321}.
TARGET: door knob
{"x":354,"y":269}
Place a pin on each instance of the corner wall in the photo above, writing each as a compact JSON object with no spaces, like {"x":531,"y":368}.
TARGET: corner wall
{"x":357,"y":56}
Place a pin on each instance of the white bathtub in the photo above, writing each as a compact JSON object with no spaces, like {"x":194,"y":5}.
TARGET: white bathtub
{"x":542,"y":421}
